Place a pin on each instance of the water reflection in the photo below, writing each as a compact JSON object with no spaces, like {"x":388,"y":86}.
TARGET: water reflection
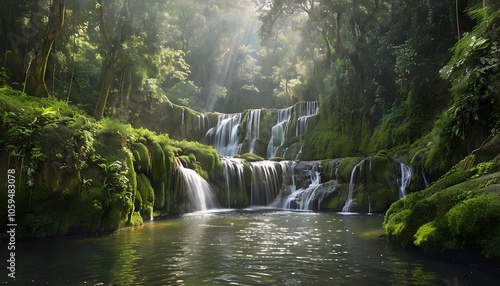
{"x":250,"y":247}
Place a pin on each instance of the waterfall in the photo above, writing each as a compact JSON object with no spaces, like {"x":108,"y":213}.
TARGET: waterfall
{"x":310,"y":197}
{"x":235,"y":178}
{"x":183,"y":125}
{"x":199,"y":192}
{"x":298,"y":153}
{"x":266,"y":182}
{"x":304,"y":198}
{"x":404,"y":182}
{"x":288,"y":174}
{"x":224,"y":137}
{"x":253,"y":127}
{"x":279,"y":131}
{"x":202,"y":119}
{"x":350,"y":201}
{"x":311,"y":109}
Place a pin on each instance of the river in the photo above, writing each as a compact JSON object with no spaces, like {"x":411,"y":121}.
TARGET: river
{"x":242,"y":247}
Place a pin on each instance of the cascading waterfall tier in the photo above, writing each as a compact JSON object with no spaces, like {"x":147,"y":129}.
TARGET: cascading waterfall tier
{"x":234,"y":174}
{"x":305,"y":113}
{"x":224,"y":137}
{"x":279,"y":131}
{"x":253,"y":128}
{"x":239,"y":133}
{"x":199,"y":192}
{"x":310,"y":197}
{"x":266,"y":182}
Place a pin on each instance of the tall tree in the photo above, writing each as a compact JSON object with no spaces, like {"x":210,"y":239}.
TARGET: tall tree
{"x":113,"y":43}
{"x":35,"y":77}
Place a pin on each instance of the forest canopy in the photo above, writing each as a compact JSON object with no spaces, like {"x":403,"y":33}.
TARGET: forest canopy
{"x":385,"y":72}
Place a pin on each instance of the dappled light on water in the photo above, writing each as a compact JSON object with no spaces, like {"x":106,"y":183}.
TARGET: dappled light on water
{"x":255,"y":246}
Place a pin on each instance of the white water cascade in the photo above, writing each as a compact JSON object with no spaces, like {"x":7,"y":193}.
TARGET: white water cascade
{"x":235,"y":177}
{"x":200,"y":194}
{"x":266,"y":182}
{"x":351,"y":201}
{"x":202,"y":122}
{"x":404,"y":182}
{"x":279,"y":131}
{"x":305,"y":113}
{"x":224,"y":137}
{"x":183,"y":125}
{"x":253,"y":127}
{"x":302,"y":199}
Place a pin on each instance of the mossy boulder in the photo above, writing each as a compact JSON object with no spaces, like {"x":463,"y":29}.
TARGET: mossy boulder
{"x":142,"y":158}
{"x":249,"y":157}
{"x":373,"y":180}
{"x":459,"y":211}
{"x":158,"y":173}
{"x":345,"y":168}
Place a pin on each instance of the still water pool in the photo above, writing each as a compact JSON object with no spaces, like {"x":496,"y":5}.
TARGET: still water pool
{"x":242,"y":247}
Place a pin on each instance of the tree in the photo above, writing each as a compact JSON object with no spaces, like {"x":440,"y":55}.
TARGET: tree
{"x":35,"y":77}
{"x":113,"y":43}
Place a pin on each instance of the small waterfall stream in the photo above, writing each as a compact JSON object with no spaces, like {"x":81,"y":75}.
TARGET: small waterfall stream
{"x":404,"y":182}
{"x":266,"y":182}
{"x":355,"y":174}
{"x":234,"y":175}
{"x":279,"y":131}
{"x":199,"y":192}
{"x":305,"y":113}
{"x":224,"y":137}
{"x":253,"y":127}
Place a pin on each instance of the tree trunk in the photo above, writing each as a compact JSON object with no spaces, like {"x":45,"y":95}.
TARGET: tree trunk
{"x":110,"y":64}
{"x":458,"y":22}
{"x":35,"y":77}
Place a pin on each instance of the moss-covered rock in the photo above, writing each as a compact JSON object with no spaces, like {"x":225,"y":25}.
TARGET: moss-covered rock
{"x":345,"y":168}
{"x":158,"y":173}
{"x":142,"y":160}
{"x":459,"y":211}
{"x":249,"y":157}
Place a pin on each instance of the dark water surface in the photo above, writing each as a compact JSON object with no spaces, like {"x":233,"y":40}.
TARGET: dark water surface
{"x":242,"y":247}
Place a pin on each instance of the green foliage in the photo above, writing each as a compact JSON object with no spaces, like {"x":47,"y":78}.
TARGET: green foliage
{"x":186,"y":94}
{"x":113,"y":126}
{"x":474,"y":74}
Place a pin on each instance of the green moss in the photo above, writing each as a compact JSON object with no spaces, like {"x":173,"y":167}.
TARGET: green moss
{"x":142,"y":161}
{"x":249,"y":157}
{"x":459,"y":211}
{"x":136,"y":219}
{"x":345,"y":168}
{"x":158,"y":173}
{"x":475,"y":222}
{"x":147,"y":196}
{"x":428,"y":236}
{"x":203,"y":159}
